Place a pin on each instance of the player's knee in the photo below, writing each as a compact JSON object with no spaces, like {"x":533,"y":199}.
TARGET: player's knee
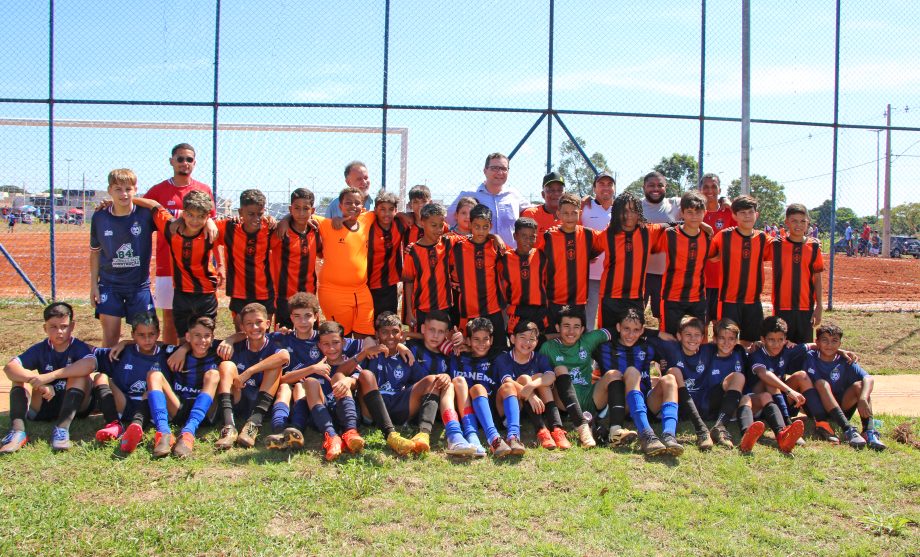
{"x":367,"y":380}
{"x":631,"y":373}
{"x":674,"y":373}
{"x":459,"y":382}
{"x":507,"y":389}
{"x":745,"y":401}
{"x":764,"y":399}
{"x":668,"y":380}
{"x":477,"y":391}
{"x":613,"y":375}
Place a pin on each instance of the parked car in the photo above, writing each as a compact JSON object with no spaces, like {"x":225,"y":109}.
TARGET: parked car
{"x":900,"y":245}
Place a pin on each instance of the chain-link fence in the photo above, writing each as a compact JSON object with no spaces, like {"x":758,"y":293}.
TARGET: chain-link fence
{"x":280,"y":95}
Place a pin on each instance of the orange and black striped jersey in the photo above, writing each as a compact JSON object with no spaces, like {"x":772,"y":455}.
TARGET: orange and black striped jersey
{"x":544,"y":219}
{"x":428,"y":269}
{"x":626,"y":256}
{"x":415,"y":233}
{"x":385,"y":254}
{"x":192,"y":268}
{"x":523,"y":278}
{"x":248,"y":265}
{"x":685,"y":263}
{"x":475,"y":268}
{"x":293,"y":262}
{"x":741,"y":264}
{"x":794,"y":267}
{"x":568,"y":258}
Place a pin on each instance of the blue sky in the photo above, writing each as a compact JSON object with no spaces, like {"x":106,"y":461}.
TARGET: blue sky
{"x":641,"y":58}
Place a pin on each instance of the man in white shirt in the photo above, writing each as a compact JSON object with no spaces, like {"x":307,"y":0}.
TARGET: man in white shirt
{"x":595,"y":215}
{"x":657,"y":209}
{"x":504,"y":201}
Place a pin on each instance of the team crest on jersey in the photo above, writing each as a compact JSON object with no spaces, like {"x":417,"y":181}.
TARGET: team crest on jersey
{"x":314,"y":352}
{"x":737,"y":365}
{"x":583,"y":354}
{"x":782,"y":362}
{"x":398,"y":373}
{"x":746,"y":253}
{"x":250,"y":247}
{"x":525,"y":272}
{"x":835,"y":374}
{"x":432,"y":259}
{"x":700,"y":367}
{"x":691,"y":253}
{"x":690,"y":384}
{"x":719,"y":224}
{"x":136,"y":229}
{"x":796,"y":257}
{"x":186,"y":250}
{"x":641,"y":354}
{"x":628,"y":245}
{"x":483,"y":366}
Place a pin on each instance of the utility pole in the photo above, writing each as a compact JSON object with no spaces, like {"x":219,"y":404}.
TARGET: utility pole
{"x":878,"y":157}
{"x":886,"y":231}
{"x":67,"y":197}
{"x":746,"y":97}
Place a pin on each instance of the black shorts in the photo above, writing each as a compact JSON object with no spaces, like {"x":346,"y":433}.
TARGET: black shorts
{"x":385,"y":299}
{"x":185,"y":411}
{"x":237,"y":305}
{"x":499,"y":335}
{"x":526,"y":312}
{"x":50,"y":410}
{"x":653,"y":293}
{"x":713,"y":403}
{"x":799,"y":323}
{"x":747,"y":316}
{"x":614,"y":309}
{"x":553,"y":316}
{"x":712,"y":304}
{"x":187,"y":306}
{"x":398,"y":406}
{"x":675,"y":311}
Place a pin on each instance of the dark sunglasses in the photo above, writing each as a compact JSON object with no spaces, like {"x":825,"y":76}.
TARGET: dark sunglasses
{"x":185,"y":159}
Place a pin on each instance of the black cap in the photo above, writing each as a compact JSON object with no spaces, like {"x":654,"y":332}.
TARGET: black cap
{"x":604,"y":174}
{"x":553,"y":177}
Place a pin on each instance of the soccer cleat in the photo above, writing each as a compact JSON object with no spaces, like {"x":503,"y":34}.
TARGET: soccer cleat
{"x":499,"y":448}
{"x":670,"y":442}
{"x":854,"y":438}
{"x":703,"y":440}
{"x":422,"y":442}
{"x":293,"y":438}
{"x":247,"y":436}
{"x":275,"y":442}
{"x":458,"y":446}
{"x":400,"y":444}
{"x":517,"y":448}
{"x":825,"y":432}
{"x":110,"y":432}
{"x":560,"y":436}
{"x":651,"y":445}
{"x":130,"y":438}
{"x":163,"y":444}
{"x":870,"y":435}
{"x":353,"y":441}
{"x":333,"y":446}
{"x":584,"y":436}
{"x":546,"y":439}
{"x":721,"y":437}
{"x":473,"y":440}
{"x":14,"y":440}
{"x":60,"y":439}
{"x":620,"y":436}
{"x":789,"y":436}
{"x":228,"y":437}
{"x":751,"y":436}
{"x":183,"y":447}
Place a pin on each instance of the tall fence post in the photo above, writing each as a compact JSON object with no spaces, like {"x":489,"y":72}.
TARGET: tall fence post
{"x":216,"y":99}
{"x":702,"y":83}
{"x":549,"y":90}
{"x":386,"y":71}
{"x":51,"y":143}
{"x":830,"y":278}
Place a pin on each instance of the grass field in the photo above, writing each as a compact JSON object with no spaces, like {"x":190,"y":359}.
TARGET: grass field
{"x":823,"y":500}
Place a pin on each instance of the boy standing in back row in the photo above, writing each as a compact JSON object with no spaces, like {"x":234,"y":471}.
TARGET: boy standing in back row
{"x":797,"y":268}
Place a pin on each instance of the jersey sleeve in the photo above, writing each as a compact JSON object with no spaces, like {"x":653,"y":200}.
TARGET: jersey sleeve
{"x":94,"y":243}
{"x":503,"y":368}
{"x":595,"y":338}
{"x":542,"y":365}
{"x":367,"y":218}
{"x":857,"y":373}
{"x":715,"y":247}
{"x":353,"y":346}
{"x":408,"y":273}
{"x":103,"y":363}
{"x":31,"y":359}
{"x":161,"y":219}
{"x":818,"y":266}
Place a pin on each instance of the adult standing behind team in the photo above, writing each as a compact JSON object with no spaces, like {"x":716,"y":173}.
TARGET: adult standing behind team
{"x":356,"y":176}
{"x":170,"y":193}
{"x":657,"y":209}
{"x":505,"y":202}
{"x":595,"y":214}
{"x":719,"y":217}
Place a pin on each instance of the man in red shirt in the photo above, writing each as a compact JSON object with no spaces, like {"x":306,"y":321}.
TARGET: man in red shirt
{"x":169,"y":194}
{"x":547,"y":215}
{"x":719,"y":217}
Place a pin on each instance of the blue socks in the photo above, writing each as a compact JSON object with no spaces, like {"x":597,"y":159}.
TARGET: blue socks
{"x":346,"y":412}
{"x":484,"y":415}
{"x":451,"y":426}
{"x":158,"y":411}
{"x":468,"y":421}
{"x":512,"y":415}
{"x":322,"y":420}
{"x":669,"y":418}
{"x":198,"y":412}
{"x":814,"y":405}
{"x":638,"y":411}
{"x":280,"y":414}
{"x":299,"y":414}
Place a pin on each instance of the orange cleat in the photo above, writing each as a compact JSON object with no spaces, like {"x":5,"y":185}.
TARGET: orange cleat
{"x":751,"y":436}
{"x":559,"y":436}
{"x":789,"y":435}
{"x":353,"y":441}
{"x":546,"y":439}
{"x":333,"y":446}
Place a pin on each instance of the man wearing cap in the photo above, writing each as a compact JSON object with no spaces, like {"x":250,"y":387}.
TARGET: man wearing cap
{"x":595,"y":214}
{"x":505,"y":202}
{"x":656,"y":208}
{"x":546,"y":214}
{"x":355,"y":177}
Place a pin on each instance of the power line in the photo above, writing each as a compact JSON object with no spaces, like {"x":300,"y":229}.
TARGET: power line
{"x":839,"y":170}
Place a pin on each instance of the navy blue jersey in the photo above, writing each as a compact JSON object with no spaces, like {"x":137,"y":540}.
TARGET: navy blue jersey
{"x":476,"y":371}
{"x":188,"y":382}
{"x":613,"y":355}
{"x":42,"y":357}
{"x":427,"y":361}
{"x":124,"y":245}
{"x":327,"y":386}
{"x":244,"y":358}
{"x":506,"y":367}
{"x":129,"y":373}
{"x":721,"y":367}
{"x":693,"y":367}
{"x":393,"y":374}
{"x":839,"y":373}
{"x":305,"y":352}
{"x":787,"y":362}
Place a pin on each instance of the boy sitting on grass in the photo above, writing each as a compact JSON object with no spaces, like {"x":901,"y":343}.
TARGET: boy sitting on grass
{"x":60,"y":401}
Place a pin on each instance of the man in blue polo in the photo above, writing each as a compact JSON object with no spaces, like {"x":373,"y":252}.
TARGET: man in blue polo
{"x":504,"y":201}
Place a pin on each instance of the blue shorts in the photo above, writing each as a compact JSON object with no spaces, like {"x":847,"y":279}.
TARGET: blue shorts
{"x":243,"y":409}
{"x":398,"y":406}
{"x":185,"y":385}
{"x":121,"y":302}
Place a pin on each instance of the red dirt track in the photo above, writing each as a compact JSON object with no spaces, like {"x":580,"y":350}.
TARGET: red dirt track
{"x":858,"y":280}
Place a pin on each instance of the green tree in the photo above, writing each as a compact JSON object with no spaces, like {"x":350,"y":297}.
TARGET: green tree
{"x":681,"y":172}
{"x":821,"y":215}
{"x":770,"y":196}
{"x":12,"y":189}
{"x":579,"y":178}
{"x":905,"y":219}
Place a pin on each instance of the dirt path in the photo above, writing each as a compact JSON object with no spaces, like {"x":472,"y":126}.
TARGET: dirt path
{"x":897,"y":394}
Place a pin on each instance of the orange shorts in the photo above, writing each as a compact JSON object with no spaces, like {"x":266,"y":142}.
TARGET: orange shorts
{"x":352,"y":308}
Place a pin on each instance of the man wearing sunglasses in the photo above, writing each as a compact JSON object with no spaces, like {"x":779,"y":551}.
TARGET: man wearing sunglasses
{"x":505,"y":202}
{"x":170,"y":193}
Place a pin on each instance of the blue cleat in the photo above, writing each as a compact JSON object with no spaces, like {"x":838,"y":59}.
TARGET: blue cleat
{"x":60,"y":439}
{"x":457,"y":446}
{"x":870,"y":435}
{"x":473,"y":440}
{"x":854,"y":438}
{"x":13,"y":441}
